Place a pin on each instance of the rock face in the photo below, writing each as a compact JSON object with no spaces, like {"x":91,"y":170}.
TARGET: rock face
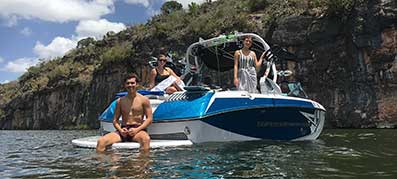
{"x":63,"y":107}
{"x":347,"y":63}
{"x":69,"y":106}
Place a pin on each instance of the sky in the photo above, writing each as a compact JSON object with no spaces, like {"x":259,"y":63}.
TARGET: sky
{"x":34,"y":30}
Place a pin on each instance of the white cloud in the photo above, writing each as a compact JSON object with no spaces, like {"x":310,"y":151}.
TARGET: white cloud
{"x":26,"y":31}
{"x":10,"y":21}
{"x":58,"y":47}
{"x":92,"y":28}
{"x":54,"y":10}
{"x":152,"y":12}
{"x":5,"y":81}
{"x":145,"y":3}
{"x":185,"y":3}
{"x":88,"y":28}
{"x":1,"y":60}
{"x":149,"y":3}
{"x":20,"y":65}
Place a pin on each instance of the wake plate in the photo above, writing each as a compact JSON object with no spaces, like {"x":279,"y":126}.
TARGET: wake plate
{"x":90,"y":142}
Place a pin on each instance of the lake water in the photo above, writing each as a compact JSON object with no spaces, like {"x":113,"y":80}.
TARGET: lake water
{"x":337,"y":154}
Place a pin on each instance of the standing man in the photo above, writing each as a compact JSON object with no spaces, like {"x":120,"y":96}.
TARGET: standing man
{"x":132,"y":108}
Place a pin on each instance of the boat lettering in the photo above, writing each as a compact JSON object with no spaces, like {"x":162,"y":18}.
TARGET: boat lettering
{"x":281,"y":124}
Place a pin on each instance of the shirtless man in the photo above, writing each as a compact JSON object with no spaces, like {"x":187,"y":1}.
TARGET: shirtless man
{"x":132,"y":108}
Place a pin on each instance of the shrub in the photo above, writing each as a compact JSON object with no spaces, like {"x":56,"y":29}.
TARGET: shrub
{"x":193,"y":9}
{"x":85,"y":42}
{"x":116,"y":53}
{"x":59,"y":72}
{"x":170,"y":6}
{"x":256,"y":5}
{"x":336,"y":7}
{"x":8,"y":91}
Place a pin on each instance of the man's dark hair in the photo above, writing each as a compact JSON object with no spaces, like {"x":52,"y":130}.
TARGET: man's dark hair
{"x":132,"y":75}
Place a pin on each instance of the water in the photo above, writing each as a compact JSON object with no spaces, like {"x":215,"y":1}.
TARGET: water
{"x":337,"y":154}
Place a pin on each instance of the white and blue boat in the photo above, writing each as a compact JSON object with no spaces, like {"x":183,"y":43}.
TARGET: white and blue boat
{"x":217,"y":113}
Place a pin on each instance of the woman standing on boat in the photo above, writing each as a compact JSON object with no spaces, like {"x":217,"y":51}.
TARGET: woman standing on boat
{"x":245,"y":65}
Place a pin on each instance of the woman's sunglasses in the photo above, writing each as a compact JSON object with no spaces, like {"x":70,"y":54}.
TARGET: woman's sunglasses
{"x":162,"y":60}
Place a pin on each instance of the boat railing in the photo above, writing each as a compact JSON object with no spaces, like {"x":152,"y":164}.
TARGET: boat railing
{"x":193,"y":66}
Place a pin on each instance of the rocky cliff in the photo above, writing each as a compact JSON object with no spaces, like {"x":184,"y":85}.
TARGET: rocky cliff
{"x":346,"y":60}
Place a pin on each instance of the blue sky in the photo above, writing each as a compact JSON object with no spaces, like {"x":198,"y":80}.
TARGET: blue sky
{"x":43,"y":29}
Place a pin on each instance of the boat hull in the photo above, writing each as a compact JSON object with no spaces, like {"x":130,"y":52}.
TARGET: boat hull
{"x":242,"y":125}
{"x":253,"y":124}
{"x":235,"y":116}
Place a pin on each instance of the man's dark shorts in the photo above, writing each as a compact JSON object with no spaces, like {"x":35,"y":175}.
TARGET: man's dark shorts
{"x":127,"y":138}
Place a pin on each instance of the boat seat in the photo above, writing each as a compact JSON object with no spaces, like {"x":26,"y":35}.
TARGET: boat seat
{"x":195,"y":88}
{"x":149,"y":94}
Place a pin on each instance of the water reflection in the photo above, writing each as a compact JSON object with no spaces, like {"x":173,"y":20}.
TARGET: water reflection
{"x":125,"y":165}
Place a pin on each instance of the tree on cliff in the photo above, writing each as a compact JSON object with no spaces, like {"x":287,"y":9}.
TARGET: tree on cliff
{"x":194,"y":9}
{"x":85,"y":42}
{"x":170,"y":6}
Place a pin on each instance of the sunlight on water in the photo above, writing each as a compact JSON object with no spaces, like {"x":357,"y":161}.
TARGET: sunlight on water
{"x":337,"y":154}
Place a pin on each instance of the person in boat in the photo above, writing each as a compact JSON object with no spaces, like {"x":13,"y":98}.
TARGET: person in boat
{"x":133,"y":108}
{"x":245,"y":67}
{"x":161,"y":72}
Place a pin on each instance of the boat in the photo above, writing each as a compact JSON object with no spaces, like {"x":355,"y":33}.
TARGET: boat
{"x":208,"y":111}
{"x":216,"y":113}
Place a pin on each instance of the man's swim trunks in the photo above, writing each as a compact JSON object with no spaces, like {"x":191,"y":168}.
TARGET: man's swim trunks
{"x":127,"y":138}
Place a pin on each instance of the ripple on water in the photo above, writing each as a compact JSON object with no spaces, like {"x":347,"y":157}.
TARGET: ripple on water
{"x":13,"y":156}
{"x":366,"y":135}
{"x":343,"y":152}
